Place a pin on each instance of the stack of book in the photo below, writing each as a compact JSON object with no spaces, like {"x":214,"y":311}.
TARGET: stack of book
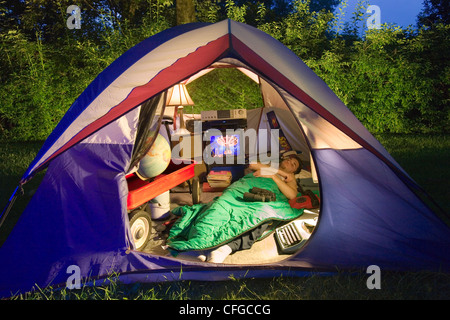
{"x":219,"y":179}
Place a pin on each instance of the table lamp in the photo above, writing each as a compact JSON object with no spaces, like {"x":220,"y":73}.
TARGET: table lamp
{"x":178,"y":97}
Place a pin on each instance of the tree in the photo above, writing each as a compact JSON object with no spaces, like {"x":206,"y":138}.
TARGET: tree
{"x":434,"y":12}
{"x":327,"y":5}
{"x":185,"y":11}
{"x":302,"y":30}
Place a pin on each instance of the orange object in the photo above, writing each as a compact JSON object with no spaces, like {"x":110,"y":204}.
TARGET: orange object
{"x":141,"y":191}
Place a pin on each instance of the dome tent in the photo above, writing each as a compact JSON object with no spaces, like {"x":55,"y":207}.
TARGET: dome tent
{"x":370,"y":213}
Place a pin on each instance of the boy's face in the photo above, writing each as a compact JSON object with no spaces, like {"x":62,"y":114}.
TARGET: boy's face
{"x":290,"y":165}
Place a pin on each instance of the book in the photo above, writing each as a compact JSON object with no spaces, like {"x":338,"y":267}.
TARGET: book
{"x":219,"y":179}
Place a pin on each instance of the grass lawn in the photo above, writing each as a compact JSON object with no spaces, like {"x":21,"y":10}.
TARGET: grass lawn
{"x":425,"y":158}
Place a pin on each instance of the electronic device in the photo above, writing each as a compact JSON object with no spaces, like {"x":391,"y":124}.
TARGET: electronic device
{"x":211,"y":115}
{"x":224,"y":148}
{"x":225,"y":145}
{"x":223,"y":125}
{"x":224,"y":119}
{"x":291,"y":237}
{"x":223,"y":136}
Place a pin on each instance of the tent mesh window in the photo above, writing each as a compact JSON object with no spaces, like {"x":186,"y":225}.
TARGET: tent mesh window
{"x":148,"y":127}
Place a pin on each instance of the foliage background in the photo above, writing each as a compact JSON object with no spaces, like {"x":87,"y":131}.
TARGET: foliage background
{"x":395,"y":80}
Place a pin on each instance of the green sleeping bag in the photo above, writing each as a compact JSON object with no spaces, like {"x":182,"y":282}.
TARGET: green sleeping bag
{"x":205,"y":226}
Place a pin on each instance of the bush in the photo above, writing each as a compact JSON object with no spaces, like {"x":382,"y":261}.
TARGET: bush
{"x":41,"y":79}
{"x":391,"y":80}
{"x":394,"y":80}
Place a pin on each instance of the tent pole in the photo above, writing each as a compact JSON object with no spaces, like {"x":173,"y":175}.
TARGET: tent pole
{"x":10,"y":204}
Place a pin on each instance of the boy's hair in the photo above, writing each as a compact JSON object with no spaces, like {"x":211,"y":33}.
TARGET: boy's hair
{"x":300,"y":163}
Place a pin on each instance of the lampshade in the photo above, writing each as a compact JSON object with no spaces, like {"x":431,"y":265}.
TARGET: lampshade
{"x":179,"y":96}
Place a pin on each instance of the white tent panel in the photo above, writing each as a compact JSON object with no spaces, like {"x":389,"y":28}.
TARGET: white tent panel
{"x":138,"y":74}
{"x":321,"y":133}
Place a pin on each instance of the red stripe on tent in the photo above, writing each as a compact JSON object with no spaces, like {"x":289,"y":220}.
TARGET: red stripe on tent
{"x":180,"y":70}
{"x":277,"y":77}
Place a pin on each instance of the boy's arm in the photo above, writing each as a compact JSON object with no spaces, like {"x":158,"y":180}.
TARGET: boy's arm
{"x":268,"y":170}
{"x":287,"y":187}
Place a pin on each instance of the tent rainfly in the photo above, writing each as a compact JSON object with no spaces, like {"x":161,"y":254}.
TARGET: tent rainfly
{"x":370,"y":212}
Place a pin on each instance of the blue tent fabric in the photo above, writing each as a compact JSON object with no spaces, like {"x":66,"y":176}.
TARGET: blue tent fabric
{"x":61,"y":228}
{"x":78,"y":215}
{"x":363,"y":221}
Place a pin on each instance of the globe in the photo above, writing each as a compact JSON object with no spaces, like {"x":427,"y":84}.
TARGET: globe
{"x":156,"y":160}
